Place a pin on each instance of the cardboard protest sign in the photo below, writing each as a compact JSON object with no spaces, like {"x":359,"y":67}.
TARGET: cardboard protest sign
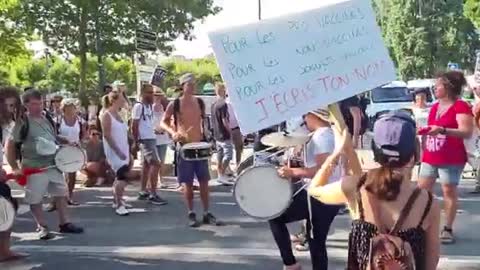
{"x":281,"y":68}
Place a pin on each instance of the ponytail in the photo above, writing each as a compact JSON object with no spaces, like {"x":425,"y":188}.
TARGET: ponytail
{"x":384,"y":183}
{"x":106,"y":102}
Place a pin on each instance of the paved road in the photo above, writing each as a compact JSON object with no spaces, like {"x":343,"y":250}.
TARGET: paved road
{"x":157,"y":238}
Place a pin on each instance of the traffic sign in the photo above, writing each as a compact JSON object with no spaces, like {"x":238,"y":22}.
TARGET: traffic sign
{"x":453,"y":66}
{"x":145,"y":40}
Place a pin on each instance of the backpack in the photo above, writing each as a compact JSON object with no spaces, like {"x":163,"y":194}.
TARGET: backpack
{"x":206,"y":125}
{"x":387,"y":249}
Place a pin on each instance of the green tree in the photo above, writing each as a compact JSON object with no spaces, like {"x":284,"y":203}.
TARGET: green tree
{"x":12,"y":40}
{"x":472,"y":11}
{"x":108,"y":26}
{"x":423,"y":36}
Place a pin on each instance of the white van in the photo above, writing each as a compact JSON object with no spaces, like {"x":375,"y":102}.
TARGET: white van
{"x":390,"y":97}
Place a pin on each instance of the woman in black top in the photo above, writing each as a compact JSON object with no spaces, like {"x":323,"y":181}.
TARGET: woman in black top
{"x":383,"y":192}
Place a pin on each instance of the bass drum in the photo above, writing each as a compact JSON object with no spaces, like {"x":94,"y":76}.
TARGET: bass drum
{"x":261,"y":193}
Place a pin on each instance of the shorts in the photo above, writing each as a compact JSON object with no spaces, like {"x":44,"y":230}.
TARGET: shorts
{"x":162,"y":151}
{"x":148,"y":148}
{"x":224,"y":152}
{"x":39,"y":184}
{"x":187,"y":170}
{"x":122,"y":173}
{"x":447,"y":175}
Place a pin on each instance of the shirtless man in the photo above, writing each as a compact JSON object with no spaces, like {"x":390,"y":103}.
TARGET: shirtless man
{"x":188,"y":113}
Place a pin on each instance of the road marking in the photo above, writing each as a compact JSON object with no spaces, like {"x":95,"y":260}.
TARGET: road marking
{"x":172,"y":250}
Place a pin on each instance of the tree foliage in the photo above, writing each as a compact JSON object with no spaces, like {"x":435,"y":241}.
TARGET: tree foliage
{"x":472,"y":11}
{"x":204,"y":69}
{"x":424,"y":36}
{"x":74,"y":25}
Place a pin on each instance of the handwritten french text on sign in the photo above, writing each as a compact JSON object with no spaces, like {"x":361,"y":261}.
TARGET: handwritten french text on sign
{"x":284,"y":67}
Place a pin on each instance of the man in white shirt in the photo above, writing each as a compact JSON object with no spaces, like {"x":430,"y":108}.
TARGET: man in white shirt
{"x":143,"y":130}
{"x":320,"y":217}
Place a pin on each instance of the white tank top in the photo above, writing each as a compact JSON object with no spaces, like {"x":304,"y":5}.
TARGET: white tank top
{"x":72,"y":133}
{"x":119,"y":131}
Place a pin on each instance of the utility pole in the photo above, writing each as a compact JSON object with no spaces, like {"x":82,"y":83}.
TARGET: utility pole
{"x":259,"y":10}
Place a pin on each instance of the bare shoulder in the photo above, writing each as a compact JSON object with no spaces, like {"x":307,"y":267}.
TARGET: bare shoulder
{"x":433,"y":215}
{"x":349,"y":185}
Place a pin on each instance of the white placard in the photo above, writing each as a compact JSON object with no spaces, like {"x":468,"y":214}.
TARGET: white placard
{"x":281,"y":68}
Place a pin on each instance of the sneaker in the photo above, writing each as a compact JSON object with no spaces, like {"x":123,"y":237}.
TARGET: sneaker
{"x":122,"y":211}
{"x":298,"y":238}
{"x":293,"y":267}
{"x":44,"y":233}
{"x":51,"y":207}
{"x":157,"y":200}
{"x":192,"y":220}
{"x":124,"y":203}
{"x":446,"y":236}
{"x":143,"y":195}
{"x":70,"y":228}
{"x":224,"y":180}
{"x":210,"y":219}
{"x":73,"y":203}
{"x":302,"y":246}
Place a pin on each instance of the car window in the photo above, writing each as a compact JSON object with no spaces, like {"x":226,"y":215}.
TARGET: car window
{"x":391,"y":94}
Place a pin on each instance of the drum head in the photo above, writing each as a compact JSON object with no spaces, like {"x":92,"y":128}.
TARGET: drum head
{"x":261,"y":193}
{"x":197,"y":145}
{"x":7,"y":214}
{"x":70,"y":159}
{"x":247,"y":163}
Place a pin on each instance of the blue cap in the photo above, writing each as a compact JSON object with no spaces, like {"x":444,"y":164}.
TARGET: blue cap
{"x":394,"y":138}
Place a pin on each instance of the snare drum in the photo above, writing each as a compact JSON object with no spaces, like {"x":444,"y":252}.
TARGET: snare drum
{"x":261,"y":193}
{"x":70,"y":159}
{"x":196,"y":151}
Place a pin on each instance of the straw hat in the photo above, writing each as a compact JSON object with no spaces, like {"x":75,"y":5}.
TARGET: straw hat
{"x":321,"y":113}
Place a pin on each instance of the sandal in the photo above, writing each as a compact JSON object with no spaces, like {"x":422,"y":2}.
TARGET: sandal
{"x":446,"y":236}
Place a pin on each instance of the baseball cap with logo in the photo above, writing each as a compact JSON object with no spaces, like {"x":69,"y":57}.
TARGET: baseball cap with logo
{"x":185,"y":78}
{"x":394,"y":139}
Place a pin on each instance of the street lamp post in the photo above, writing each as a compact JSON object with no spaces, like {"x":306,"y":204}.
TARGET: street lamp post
{"x":259,"y":10}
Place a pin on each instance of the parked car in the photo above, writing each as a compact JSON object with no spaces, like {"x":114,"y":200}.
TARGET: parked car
{"x":390,"y":97}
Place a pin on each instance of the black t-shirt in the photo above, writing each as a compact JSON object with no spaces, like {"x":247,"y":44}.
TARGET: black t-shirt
{"x":345,"y":106}
{"x":219,"y":114}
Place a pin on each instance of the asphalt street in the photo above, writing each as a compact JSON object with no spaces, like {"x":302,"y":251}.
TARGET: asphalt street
{"x":156,"y":237}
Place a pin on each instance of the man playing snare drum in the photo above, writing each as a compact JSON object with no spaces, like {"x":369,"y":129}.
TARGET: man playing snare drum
{"x":320,"y":217}
{"x":188,"y":113}
{"x":34,"y":132}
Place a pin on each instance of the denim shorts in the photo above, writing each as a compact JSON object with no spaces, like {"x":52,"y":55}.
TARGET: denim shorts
{"x":162,"y":151}
{"x":447,"y":175}
{"x":224,"y":152}
{"x":148,"y":148}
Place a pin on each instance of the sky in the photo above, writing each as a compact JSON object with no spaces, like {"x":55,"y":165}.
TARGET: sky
{"x":237,"y":12}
